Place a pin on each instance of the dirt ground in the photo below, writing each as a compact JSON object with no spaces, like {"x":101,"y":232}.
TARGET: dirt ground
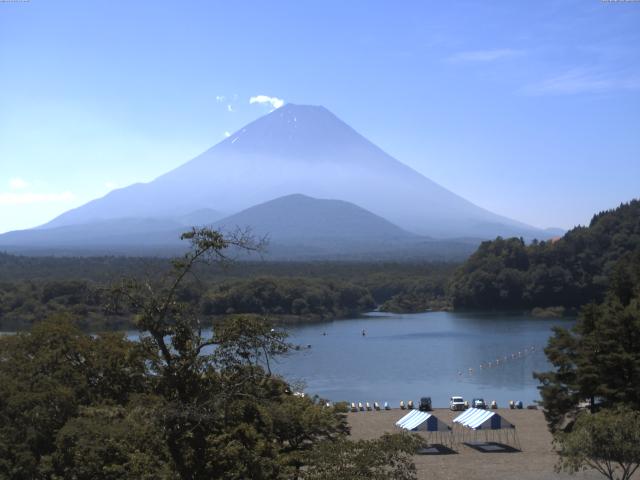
{"x":536,"y":460}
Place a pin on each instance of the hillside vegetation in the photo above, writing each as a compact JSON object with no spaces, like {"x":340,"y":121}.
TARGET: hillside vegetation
{"x":32,"y":288}
{"x":570,"y":272}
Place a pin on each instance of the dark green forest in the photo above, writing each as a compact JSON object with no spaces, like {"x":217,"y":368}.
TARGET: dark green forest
{"x":32,"y":288}
{"x":569,"y":272}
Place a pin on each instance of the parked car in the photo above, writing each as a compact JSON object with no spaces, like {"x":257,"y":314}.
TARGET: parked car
{"x":456,"y":403}
{"x":478,"y":403}
{"x":425,"y":404}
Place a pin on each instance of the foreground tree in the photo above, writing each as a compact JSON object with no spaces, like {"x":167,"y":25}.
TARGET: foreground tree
{"x":183,"y":401}
{"x":608,"y":441}
{"x":221,"y":409}
{"x":47,"y":376}
{"x":107,"y":442}
{"x":598,"y":360}
{"x":386,"y":458}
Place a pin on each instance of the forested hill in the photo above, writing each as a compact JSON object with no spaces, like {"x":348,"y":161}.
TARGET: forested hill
{"x":34,"y":288}
{"x":569,"y":272}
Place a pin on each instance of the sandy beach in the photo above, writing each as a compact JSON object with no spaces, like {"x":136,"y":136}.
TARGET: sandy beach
{"x":536,"y":460}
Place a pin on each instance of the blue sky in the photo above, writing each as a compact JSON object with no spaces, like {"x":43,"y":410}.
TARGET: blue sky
{"x":529,"y":109}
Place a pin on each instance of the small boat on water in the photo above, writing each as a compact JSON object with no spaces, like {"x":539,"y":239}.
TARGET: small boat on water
{"x":402,"y":404}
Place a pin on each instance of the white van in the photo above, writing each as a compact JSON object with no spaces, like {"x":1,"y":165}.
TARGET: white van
{"x":456,"y":403}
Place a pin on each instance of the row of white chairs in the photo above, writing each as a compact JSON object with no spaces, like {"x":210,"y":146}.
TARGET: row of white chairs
{"x":366,"y":406}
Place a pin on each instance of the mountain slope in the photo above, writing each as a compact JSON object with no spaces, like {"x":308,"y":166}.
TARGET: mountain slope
{"x":303,"y":149}
{"x":300,"y":227}
{"x":299,"y":218}
{"x":117,"y":235}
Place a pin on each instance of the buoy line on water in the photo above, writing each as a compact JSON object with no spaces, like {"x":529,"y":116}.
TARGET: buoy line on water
{"x":501,"y":360}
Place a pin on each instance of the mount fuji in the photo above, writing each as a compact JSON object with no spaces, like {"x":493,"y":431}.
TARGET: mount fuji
{"x":296,"y":149}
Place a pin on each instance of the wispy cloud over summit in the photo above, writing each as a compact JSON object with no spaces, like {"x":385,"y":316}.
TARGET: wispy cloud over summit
{"x":264,"y":99}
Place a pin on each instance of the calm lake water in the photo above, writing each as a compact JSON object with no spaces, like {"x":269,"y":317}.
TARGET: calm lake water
{"x":425,"y":354}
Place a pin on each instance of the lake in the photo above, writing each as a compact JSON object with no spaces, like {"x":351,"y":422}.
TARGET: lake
{"x":424,"y":354}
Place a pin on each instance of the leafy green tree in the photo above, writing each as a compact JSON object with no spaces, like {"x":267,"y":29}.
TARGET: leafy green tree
{"x":46,"y":376}
{"x":221,"y":411}
{"x":386,"y":458}
{"x":607,"y":441}
{"x":598,"y":360}
{"x":111,"y":442}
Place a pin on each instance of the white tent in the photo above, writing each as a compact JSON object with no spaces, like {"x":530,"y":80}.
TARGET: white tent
{"x":417,"y":421}
{"x":490,"y":422}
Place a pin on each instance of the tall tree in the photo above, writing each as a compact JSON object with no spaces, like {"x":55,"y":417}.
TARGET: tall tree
{"x":598,"y":360}
{"x":219,"y":398}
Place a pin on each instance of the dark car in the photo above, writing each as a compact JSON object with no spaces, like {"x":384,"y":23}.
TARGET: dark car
{"x":478,"y":403}
{"x":425,"y":404}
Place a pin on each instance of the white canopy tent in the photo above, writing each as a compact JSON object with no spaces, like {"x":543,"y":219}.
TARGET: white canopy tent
{"x":436,"y":430}
{"x":476,"y":420}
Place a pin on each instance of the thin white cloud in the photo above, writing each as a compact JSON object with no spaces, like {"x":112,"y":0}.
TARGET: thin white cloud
{"x":23,"y":198}
{"x":227,"y":134}
{"x":220,"y":98}
{"x":275,"y":102}
{"x":484,"y":56}
{"x":17,"y":184}
{"x":110,"y":185}
{"x":578,"y":80}
{"x":229,"y":108}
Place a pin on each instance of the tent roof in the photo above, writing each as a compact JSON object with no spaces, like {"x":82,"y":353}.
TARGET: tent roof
{"x":417,"y":420}
{"x":479,"y":419}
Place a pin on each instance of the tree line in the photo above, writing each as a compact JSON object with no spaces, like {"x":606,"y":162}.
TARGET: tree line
{"x":282,"y":291}
{"x":570,"y":271}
